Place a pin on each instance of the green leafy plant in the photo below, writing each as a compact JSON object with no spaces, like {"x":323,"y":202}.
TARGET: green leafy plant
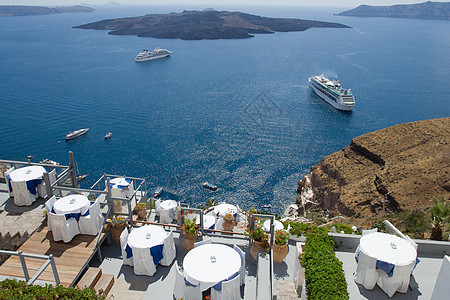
{"x":189,"y":226}
{"x":13,"y":289}
{"x":140,"y":206}
{"x":440,"y":212}
{"x":299,"y":229}
{"x":258,"y":235}
{"x":281,"y":237}
{"x":343,"y":227}
{"x":324,"y":275}
{"x":118,"y":220}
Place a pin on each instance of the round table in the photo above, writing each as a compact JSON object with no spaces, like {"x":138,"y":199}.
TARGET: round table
{"x":72,"y":204}
{"x":168,"y":204}
{"x":388,"y":248}
{"x":209,"y":264}
{"x":146,"y":237}
{"x":27,"y":173}
{"x":224,"y":208}
{"x":208,"y":221}
{"x":121,"y":187}
{"x":278,"y":225}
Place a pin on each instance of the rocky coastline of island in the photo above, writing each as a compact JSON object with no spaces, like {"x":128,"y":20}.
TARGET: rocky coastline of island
{"x":207,"y":24}
{"x":24,"y":10}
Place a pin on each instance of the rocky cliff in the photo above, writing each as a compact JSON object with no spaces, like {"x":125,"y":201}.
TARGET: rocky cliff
{"x":403,"y":167}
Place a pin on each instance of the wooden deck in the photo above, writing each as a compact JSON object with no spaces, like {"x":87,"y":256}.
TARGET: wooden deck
{"x":70,"y":258}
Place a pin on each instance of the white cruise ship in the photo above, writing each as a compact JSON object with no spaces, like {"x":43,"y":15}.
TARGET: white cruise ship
{"x":145,"y":55}
{"x":332,"y":92}
{"x":76,"y":133}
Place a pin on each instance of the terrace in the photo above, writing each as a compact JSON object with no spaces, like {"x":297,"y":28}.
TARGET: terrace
{"x":264,"y":279}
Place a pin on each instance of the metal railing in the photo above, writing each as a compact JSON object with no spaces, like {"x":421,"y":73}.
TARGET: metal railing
{"x":49,"y":261}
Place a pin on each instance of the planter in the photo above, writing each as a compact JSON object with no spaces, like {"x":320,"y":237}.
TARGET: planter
{"x":116,"y":231}
{"x":280,"y":252}
{"x":256,"y":246}
{"x":142,"y":214}
{"x":117,"y":206}
{"x":227,"y":226}
{"x":188,"y":242}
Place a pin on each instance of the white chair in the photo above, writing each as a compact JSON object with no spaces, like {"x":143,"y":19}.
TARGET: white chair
{"x":399,"y":282}
{"x":92,"y":223}
{"x":231,"y":290}
{"x":169,"y":250}
{"x":164,"y":216}
{"x":180,"y":286}
{"x":42,"y":190}
{"x":63,"y":229}
{"x":143,"y":262}
{"x":242,"y":269}
{"x":204,"y":242}
{"x":368,"y":231}
{"x":123,"y":245}
{"x":22,"y":196}
{"x":7,"y":172}
{"x":48,"y":207}
{"x":366,"y":273}
{"x":157,"y":207}
{"x":219,"y":223}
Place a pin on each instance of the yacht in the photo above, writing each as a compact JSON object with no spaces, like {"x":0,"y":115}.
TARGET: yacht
{"x":145,"y":55}
{"x":332,"y":92}
{"x":210,"y":186}
{"x":158,"y":192}
{"x":108,"y":135}
{"x":76,"y":133}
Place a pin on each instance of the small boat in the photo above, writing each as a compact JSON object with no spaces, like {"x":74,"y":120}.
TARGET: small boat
{"x":76,"y":133}
{"x":266,"y":206}
{"x":49,"y":162}
{"x":108,"y":135}
{"x":81,"y":177}
{"x":158,"y":192}
{"x":209,"y":186}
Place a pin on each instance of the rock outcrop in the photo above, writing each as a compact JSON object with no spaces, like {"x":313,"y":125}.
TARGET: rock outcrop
{"x":426,"y":10}
{"x":403,"y":167}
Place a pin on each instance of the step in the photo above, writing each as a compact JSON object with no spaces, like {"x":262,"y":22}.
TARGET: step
{"x":90,"y":278}
{"x":105,"y":283}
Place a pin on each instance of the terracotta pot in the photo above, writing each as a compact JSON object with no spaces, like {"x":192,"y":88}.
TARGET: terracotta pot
{"x":142,"y":214}
{"x":118,"y":207}
{"x":188,"y":242}
{"x":116,"y":231}
{"x":280,"y":252}
{"x":227,"y":226}
{"x":256,"y":246}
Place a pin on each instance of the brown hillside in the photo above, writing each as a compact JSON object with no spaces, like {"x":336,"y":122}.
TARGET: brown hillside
{"x":408,"y":165}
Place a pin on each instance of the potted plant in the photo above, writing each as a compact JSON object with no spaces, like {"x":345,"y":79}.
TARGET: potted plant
{"x":190,"y":231}
{"x":280,"y":247}
{"x":260,"y":240}
{"x":117,"y":206}
{"x":141,"y":210}
{"x":228,"y":222}
{"x":118,"y":224}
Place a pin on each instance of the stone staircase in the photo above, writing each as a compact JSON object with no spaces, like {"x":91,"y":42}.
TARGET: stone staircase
{"x":95,"y":279}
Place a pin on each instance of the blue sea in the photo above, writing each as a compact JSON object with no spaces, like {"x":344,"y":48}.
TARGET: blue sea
{"x":236,"y":113}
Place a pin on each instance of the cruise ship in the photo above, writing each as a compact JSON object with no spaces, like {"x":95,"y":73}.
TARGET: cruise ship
{"x":332,"y":92}
{"x":145,"y":55}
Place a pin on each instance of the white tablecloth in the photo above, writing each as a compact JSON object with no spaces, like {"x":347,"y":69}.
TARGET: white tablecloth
{"x":138,"y":237}
{"x":224,"y":208}
{"x":72,"y":204}
{"x":385,"y":260}
{"x":208,"y":221}
{"x":199,"y":269}
{"x":121,"y":188}
{"x":27,"y":173}
{"x":278,"y":225}
{"x":378,"y":245}
{"x":169,"y":205}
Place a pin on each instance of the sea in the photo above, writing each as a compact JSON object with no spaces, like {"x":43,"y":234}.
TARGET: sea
{"x":238,"y":114}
